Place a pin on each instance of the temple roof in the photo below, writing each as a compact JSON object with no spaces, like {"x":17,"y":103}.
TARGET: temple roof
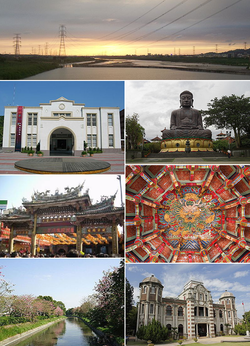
{"x":188,"y":213}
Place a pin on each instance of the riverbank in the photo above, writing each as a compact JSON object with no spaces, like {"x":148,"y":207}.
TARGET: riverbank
{"x":32,"y":67}
{"x":33,"y":329}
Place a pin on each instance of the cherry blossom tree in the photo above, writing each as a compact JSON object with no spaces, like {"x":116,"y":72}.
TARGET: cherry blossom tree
{"x":109,"y":311}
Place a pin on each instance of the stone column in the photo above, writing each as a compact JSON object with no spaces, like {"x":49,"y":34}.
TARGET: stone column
{"x":190,"y":319}
{"x":11,"y":240}
{"x":208,"y":331}
{"x":211,"y":319}
{"x":114,"y":239}
{"x":146,"y":313}
{"x":33,"y":237}
{"x":79,"y":238}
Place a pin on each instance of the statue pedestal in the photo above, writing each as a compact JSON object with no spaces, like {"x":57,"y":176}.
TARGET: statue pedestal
{"x":179,"y":144}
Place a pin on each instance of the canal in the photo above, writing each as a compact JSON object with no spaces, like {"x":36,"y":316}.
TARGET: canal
{"x":69,"y":332}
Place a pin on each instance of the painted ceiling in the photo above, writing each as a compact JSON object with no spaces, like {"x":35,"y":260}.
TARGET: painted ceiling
{"x":188,"y":213}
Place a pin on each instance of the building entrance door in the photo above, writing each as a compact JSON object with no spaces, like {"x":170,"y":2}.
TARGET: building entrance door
{"x":61,"y":143}
{"x":202,"y":329}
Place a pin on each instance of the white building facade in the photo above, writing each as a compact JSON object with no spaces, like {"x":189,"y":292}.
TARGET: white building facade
{"x":192,"y":314}
{"x":61,"y":126}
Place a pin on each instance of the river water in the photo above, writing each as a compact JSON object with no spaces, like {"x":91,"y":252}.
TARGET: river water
{"x":70,"y":332}
{"x":132,"y":73}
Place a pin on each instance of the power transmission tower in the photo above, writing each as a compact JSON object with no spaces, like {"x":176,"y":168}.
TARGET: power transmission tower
{"x":62,"y":34}
{"x":46,"y":48}
{"x":216,"y":48}
{"x":245,"y":45}
{"x":17,"y":43}
{"x":193,"y":50}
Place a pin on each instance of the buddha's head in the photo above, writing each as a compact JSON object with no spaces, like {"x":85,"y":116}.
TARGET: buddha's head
{"x":186,"y":99}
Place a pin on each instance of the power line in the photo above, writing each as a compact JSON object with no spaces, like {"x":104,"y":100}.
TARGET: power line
{"x":133,"y":21}
{"x":173,"y":21}
{"x":153,"y":20}
{"x":200,"y":21}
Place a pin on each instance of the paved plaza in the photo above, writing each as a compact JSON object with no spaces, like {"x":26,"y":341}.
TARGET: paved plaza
{"x":68,"y":164}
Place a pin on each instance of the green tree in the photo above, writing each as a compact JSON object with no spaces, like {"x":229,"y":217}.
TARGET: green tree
{"x":135,"y":132}
{"x":240,"y":329}
{"x":154,"y":331}
{"x":88,"y":303}
{"x":131,"y":320}
{"x":109,"y":310}
{"x":230,"y":112}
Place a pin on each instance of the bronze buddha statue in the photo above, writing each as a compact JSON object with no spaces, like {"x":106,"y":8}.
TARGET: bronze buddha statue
{"x":186,"y":122}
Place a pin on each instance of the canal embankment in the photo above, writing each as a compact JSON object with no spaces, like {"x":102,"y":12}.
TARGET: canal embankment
{"x":28,"y":333}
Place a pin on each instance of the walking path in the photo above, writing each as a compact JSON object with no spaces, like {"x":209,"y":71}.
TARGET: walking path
{"x":191,"y":160}
{"x":115,"y":160}
{"x":203,"y":340}
{"x":218,"y":339}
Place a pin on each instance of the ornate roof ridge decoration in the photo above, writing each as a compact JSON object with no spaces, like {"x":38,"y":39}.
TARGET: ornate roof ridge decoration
{"x":14,"y":212}
{"x":106,"y":203}
{"x":72,"y":192}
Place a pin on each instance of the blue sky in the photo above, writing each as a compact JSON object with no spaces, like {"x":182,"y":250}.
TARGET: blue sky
{"x":14,"y":188}
{"x":217,"y":278}
{"x":67,"y":280}
{"x":32,"y":93}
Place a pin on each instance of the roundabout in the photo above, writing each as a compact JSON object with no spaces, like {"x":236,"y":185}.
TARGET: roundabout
{"x":62,"y":165}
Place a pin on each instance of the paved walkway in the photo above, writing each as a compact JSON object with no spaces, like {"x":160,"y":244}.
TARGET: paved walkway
{"x":191,"y":160}
{"x":115,"y":160}
{"x":218,"y":339}
{"x":205,"y":341}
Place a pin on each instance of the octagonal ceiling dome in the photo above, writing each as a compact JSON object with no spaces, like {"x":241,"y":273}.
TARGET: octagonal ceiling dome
{"x":188,"y":213}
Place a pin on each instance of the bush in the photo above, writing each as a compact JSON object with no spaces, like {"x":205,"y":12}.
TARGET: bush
{"x":6,"y":320}
{"x":153,"y":331}
{"x":154,"y":147}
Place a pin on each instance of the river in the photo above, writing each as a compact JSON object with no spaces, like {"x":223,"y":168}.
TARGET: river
{"x":131,"y":73}
{"x":69,"y":332}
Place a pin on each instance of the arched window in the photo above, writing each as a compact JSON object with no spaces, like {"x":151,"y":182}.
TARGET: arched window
{"x":220,"y":314}
{"x":151,"y":309}
{"x":214,"y":313}
{"x":195,"y":311}
{"x":180,"y":329}
{"x":180,"y":311}
{"x":221,"y":327}
{"x":152,"y":290}
{"x":169,"y":310}
{"x":206,"y":311}
{"x":229,"y":314}
{"x":228,"y":301}
{"x":144,"y":289}
{"x":169,"y":327}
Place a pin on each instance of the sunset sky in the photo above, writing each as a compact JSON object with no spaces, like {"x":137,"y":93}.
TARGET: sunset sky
{"x":125,"y":27}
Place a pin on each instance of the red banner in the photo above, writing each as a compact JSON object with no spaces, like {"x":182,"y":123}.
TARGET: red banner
{"x":19,"y":121}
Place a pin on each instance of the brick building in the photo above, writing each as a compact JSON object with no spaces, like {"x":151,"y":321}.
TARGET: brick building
{"x":192,"y":313}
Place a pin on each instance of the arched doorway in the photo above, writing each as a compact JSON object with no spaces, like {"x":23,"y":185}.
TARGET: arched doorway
{"x":61,"y":142}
